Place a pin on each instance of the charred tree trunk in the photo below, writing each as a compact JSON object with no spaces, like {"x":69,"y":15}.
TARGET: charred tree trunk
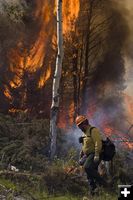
{"x":86,"y":64}
{"x":75,"y":83}
{"x":56,"y":81}
{"x":80,"y":78}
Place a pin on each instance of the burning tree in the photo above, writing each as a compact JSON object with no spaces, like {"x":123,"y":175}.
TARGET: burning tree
{"x":84,"y":47}
{"x":56,"y":80}
{"x":93,"y":65}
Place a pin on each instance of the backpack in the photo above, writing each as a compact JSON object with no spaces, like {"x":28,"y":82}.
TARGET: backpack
{"x":108,"y":148}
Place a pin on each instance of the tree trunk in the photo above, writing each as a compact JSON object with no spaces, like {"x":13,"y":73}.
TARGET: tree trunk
{"x":86,"y":64}
{"x":75,"y":83}
{"x":56,"y":81}
{"x":80,"y":78}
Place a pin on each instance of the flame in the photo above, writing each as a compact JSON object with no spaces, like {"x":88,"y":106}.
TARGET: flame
{"x":44,"y":78}
{"x":128,"y":102}
{"x":73,"y":170}
{"x":13,"y":110}
{"x":118,"y":136}
{"x":7,"y":93}
{"x":71,"y":113}
{"x":108,"y":130}
{"x":32,"y":58}
{"x":106,"y":126}
{"x":70,"y":13}
{"x":16,"y":82}
{"x":66,"y":116}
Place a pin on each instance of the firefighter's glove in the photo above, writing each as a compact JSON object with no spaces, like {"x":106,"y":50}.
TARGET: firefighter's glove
{"x":81,"y":154}
{"x":96,"y":159}
{"x":82,"y":160}
{"x":81,"y":139}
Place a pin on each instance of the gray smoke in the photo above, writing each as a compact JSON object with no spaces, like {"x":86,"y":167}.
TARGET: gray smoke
{"x":113,"y":76}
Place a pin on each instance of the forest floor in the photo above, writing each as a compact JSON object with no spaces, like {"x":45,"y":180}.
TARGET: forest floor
{"x":25,"y":186}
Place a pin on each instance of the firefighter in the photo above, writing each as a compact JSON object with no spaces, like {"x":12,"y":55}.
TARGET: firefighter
{"x":90,"y":154}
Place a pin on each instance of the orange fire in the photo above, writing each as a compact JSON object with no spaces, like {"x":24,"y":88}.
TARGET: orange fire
{"x":66,"y":116}
{"x":44,"y":78}
{"x":128,"y":102}
{"x":34,"y":58}
{"x":118,"y":136}
{"x":7,"y":93}
{"x":70,"y":113}
{"x":73,"y":170}
{"x":12,"y":110}
{"x":70,"y":13}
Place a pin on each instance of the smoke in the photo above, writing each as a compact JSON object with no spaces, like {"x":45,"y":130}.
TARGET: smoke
{"x":69,"y":141}
{"x":126,"y":7}
{"x":8,"y":3}
{"x":113,"y":75}
{"x":112,"y":79}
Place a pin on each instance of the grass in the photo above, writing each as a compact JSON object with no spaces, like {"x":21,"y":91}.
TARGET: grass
{"x":65,"y":198}
{"x":40,"y":193}
{"x":104,"y":196}
{"x":68,"y":197}
{"x":7,"y":184}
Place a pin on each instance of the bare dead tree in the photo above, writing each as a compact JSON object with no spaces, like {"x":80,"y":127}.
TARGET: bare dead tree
{"x":75,"y":82}
{"x":56,"y":81}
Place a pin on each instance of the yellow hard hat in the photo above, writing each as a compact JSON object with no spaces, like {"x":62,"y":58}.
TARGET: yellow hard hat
{"x":80,"y":119}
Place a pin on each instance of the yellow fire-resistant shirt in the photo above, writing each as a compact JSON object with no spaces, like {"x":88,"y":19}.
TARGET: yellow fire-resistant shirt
{"x":92,"y":143}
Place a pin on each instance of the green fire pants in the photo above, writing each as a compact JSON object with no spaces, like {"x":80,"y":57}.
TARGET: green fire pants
{"x":91,"y":169}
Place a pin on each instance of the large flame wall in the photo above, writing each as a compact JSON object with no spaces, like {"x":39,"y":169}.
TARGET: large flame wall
{"x":33,"y":57}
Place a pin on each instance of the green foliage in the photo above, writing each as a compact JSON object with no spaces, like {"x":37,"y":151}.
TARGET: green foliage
{"x":24,"y":144}
{"x":123,"y":168}
{"x":32,"y":191}
{"x":7,"y":183}
{"x":106,"y":195}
